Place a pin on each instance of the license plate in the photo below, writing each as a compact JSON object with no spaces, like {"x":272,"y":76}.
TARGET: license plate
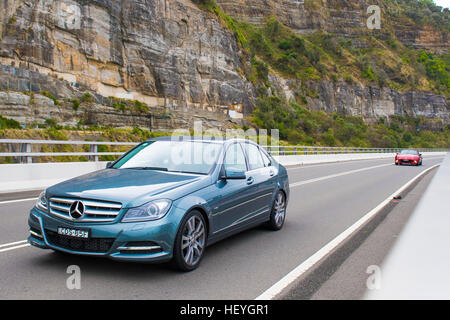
{"x":74,"y":233}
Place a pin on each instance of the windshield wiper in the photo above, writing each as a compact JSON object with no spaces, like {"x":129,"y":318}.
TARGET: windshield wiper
{"x":148,"y":168}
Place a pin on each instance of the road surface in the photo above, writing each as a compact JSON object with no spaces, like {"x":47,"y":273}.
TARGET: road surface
{"x":325,"y":200}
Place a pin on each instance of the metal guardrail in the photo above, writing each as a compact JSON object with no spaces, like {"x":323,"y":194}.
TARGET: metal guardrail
{"x":26,"y":155}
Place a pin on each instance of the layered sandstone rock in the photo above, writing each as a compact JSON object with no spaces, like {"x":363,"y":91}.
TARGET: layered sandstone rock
{"x":178,"y":59}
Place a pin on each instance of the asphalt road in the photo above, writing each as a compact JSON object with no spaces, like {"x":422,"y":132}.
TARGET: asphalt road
{"x":325,"y":200}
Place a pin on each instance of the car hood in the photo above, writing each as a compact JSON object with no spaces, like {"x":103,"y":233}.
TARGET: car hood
{"x":130,"y":187}
{"x":407,"y":157}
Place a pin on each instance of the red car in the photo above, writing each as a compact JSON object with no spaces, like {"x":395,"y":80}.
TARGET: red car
{"x":410,"y":157}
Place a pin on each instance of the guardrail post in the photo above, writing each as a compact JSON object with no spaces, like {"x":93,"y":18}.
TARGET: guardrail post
{"x":295,"y":151}
{"x":282,"y":151}
{"x":93,"y":149}
{"x":26,"y":147}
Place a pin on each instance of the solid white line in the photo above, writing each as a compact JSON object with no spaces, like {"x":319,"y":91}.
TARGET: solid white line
{"x":279,"y":286}
{"x":18,"y":200}
{"x":16,"y":247}
{"x":12,"y":243}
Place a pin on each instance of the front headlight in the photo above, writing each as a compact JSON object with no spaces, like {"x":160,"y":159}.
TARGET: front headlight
{"x":152,"y":210}
{"x":41,"y":203}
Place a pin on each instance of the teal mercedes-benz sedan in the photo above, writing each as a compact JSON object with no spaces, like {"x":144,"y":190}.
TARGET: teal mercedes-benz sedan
{"x":164,"y":200}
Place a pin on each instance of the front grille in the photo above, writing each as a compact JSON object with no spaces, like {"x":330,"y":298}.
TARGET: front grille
{"x":97,"y":245}
{"x":95,"y":210}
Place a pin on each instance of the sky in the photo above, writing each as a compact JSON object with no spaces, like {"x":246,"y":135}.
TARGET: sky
{"x":443,"y":3}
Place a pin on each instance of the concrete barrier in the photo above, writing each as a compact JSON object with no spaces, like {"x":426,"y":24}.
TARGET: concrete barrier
{"x":35,"y":176}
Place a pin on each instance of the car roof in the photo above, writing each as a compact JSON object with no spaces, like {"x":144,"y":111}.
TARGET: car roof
{"x":201,"y":139}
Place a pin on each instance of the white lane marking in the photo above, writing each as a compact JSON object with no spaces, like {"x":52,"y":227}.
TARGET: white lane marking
{"x":16,"y":247}
{"x":296,"y":184}
{"x":12,"y":243}
{"x":18,"y":200}
{"x":284,"y":282}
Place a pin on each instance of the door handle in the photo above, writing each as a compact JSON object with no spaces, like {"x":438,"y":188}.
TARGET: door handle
{"x":272,"y":173}
{"x":250,"y":180}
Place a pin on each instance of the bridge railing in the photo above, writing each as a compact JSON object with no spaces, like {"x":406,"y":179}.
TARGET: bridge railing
{"x":26,"y":155}
{"x":309,"y":150}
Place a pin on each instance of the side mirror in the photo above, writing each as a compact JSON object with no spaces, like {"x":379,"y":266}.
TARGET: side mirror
{"x":232,"y":174}
{"x":109,"y":164}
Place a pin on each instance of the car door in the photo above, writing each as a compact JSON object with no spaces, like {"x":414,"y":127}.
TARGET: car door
{"x":263,"y":185}
{"x":234,"y":195}
{"x":270,"y":173}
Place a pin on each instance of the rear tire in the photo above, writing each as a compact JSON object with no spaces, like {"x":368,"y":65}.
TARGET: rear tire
{"x":190,"y":242}
{"x":278,"y":213}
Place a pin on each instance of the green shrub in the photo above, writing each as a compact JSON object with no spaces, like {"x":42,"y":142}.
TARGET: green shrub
{"x":6,"y":123}
{"x":50,"y":96}
{"x":87,"y":97}
{"x":75,"y":104}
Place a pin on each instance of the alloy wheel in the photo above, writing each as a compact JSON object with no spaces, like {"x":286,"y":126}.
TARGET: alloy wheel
{"x":193,"y":240}
{"x":279,"y":209}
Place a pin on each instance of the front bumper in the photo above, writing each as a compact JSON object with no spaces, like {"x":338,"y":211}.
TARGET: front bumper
{"x":150,"y":241}
{"x":407,"y":161}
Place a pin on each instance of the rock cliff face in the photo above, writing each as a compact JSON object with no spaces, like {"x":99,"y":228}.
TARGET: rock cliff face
{"x":369,"y":102}
{"x":176,"y":58}
{"x":346,"y":18}
{"x":164,"y":53}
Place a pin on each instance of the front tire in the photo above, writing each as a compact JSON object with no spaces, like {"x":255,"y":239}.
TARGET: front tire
{"x":190,"y":242}
{"x":278,"y":214}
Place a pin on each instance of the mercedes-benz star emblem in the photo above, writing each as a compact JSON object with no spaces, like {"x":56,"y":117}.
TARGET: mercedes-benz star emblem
{"x":76,"y":210}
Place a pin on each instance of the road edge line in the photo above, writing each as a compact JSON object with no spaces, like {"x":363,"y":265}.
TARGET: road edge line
{"x":279,"y":287}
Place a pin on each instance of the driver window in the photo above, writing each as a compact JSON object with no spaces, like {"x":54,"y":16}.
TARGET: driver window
{"x":235,"y":159}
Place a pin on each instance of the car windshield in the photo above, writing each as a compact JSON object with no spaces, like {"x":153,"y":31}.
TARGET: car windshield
{"x":195,"y":157}
{"x":414,"y":152}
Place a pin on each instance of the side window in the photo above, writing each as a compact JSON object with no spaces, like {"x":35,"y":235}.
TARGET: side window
{"x":235,"y":159}
{"x":255,"y":160}
{"x":266,"y":160}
